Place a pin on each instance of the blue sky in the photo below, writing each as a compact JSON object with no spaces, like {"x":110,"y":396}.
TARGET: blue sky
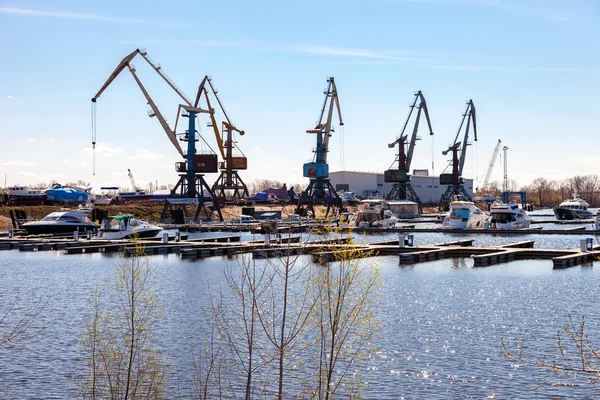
{"x":531,"y":67}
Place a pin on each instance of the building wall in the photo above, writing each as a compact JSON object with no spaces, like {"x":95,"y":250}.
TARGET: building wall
{"x":428,"y":188}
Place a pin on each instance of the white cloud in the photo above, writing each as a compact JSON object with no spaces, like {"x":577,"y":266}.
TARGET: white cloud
{"x":65,"y":161}
{"x":255,"y":148}
{"x":10,"y":97}
{"x":145,"y":155}
{"x":30,"y":174}
{"x":19,"y":163}
{"x":50,"y":140}
{"x":23,"y":12}
{"x":30,"y":140}
{"x":83,"y":164}
{"x":104,"y":149}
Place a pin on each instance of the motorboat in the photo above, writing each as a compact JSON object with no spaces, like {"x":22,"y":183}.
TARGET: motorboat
{"x":62,"y":222}
{"x":464,"y":215}
{"x":508,"y":216}
{"x":404,"y":209}
{"x":126,"y":226}
{"x":101,"y":200}
{"x":375,"y":218}
{"x":574,"y":208}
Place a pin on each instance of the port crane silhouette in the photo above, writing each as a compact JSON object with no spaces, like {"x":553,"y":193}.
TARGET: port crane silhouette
{"x":400,"y":176}
{"x":455,"y":181}
{"x":320,"y":189}
{"x":191,"y":188}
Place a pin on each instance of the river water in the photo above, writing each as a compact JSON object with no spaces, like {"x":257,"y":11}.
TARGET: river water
{"x":441,"y":322}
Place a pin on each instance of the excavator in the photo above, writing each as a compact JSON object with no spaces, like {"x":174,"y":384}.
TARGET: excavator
{"x":455,"y":181}
{"x":191,"y":189}
{"x":320,"y":190}
{"x":402,"y":188}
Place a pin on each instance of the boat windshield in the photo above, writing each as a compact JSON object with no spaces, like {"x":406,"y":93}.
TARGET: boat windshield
{"x":462,"y":213}
{"x":113,"y":225}
{"x":51,"y":217}
{"x":503,"y":218}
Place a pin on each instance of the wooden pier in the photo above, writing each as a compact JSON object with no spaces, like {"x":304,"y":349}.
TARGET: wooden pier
{"x":321,"y":251}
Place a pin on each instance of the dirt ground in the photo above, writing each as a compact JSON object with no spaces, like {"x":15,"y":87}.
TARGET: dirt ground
{"x":149,"y":212}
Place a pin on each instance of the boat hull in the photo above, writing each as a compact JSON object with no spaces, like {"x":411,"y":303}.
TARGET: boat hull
{"x":569,"y":214}
{"x":34,"y":228}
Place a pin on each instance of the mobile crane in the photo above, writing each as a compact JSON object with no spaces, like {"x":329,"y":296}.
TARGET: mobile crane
{"x":229,"y":178}
{"x":191,"y":187}
{"x":402,"y":188}
{"x":490,"y":168}
{"x":455,"y":180}
{"x":320,"y":190}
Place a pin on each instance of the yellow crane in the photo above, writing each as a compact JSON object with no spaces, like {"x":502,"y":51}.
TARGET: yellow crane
{"x":229,"y":179}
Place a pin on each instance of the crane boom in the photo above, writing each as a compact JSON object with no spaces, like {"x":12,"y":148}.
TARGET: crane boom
{"x":491,"y":165}
{"x":126,"y":63}
{"x":324,"y":129}
{"x":469,"y":115}
{"x":131,"y":180}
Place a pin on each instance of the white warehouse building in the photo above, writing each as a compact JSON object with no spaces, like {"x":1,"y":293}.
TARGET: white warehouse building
{"x":428,"y":188}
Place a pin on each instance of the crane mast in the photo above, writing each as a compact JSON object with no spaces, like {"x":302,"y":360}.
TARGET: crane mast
{"x":490,"y":168}
{"x":320,"y":189}
{"x":229,"y":178}
{"x":455,"y":180}
{"x":191,"y":186}
{"x":134,"y":187}
{"x":402,"y":188}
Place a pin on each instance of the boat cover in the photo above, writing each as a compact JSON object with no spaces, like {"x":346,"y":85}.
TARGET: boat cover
{"x":63,"y":193}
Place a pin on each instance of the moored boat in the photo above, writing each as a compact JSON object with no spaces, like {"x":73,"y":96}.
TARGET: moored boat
{"x":575,"y":208}
{"x":62,"y":222}
{"x":508,"y":216}
{"x":464,"y":215}
{"x":25,"y":196}
{"x":126,"y":226}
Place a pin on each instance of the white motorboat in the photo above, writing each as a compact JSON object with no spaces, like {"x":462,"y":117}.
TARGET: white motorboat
{"x":508,"y":216}
{"x":464,"y":215}
{"x":62,"y":222}
{"x":102,"y":200}
{"x":126,"y":226}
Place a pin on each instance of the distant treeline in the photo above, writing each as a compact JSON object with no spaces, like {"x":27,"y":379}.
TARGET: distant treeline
{"x":544,"y":192}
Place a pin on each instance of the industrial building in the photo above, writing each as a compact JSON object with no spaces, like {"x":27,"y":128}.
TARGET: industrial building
{"x":428,"y":188}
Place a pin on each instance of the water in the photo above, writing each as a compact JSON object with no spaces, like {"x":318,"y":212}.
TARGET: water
{"x":441,"y":322}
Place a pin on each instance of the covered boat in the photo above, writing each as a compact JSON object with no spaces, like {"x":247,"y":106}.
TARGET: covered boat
{"x":65,"y":194}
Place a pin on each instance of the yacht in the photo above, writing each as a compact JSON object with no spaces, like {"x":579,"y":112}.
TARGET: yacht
{"x":375,"y":214}
{"x":62,"y":222}
{"x":575,"y":208}
{"x":464,"y":215}
{"x":508,"y":216}
{"x":126,"y":226}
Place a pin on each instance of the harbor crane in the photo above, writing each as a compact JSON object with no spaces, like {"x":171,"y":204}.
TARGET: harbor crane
{"x":320,"y":189}
{"x":455,"y":180}
{"x":229,"y":178}
{"x":400,"y":176}
{"x":191,"y":188}
{"x":490,"y":168}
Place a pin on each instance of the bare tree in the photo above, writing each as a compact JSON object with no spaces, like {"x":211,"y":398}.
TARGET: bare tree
{"x":122,"y":360}
{"x":22,"y":328}
{"x":578,"y":359}
{"x":344,"y":320}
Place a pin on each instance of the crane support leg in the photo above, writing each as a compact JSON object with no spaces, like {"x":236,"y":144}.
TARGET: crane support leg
{"x":320,"y":191}
{"x":201,"y":195}
{"x":453,"y":192}
{"x":233,"y":183}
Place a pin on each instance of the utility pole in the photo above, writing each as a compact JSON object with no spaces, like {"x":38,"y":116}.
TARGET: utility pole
{"x":505,"y":184}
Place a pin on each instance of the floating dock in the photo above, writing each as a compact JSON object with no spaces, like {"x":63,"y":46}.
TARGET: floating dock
{"x":321,"y":251}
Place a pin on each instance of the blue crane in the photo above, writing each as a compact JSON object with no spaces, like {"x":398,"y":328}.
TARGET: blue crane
{"x":320,"y":190}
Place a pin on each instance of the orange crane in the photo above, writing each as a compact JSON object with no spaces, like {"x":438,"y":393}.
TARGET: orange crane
{"x":229,"y":178}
